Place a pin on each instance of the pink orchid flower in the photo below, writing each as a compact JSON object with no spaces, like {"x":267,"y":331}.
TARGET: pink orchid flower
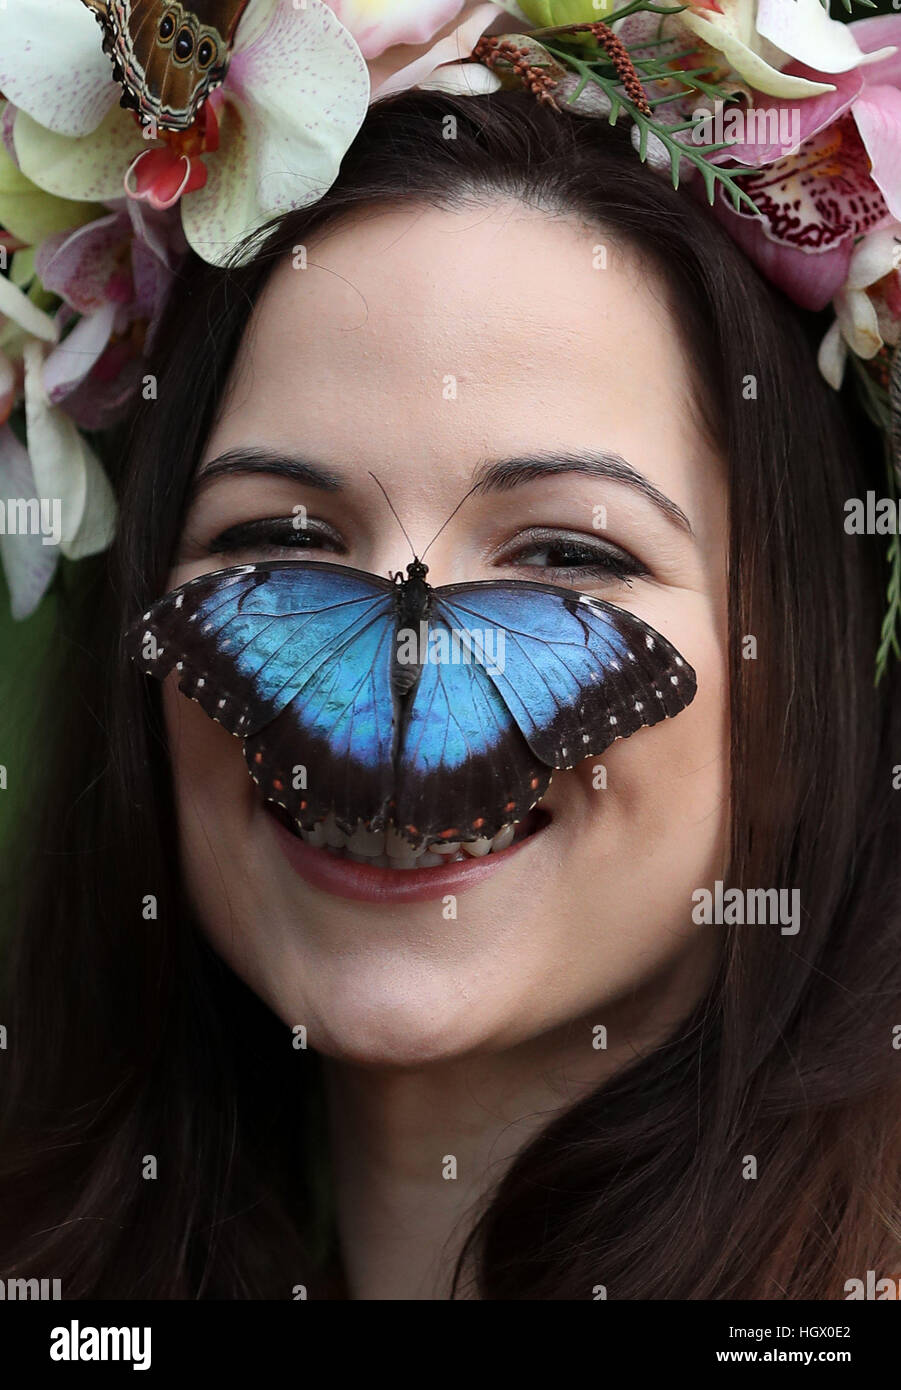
{"x":115,"y":286}
{"x":380,"y":24}
{"x":838,"y":181}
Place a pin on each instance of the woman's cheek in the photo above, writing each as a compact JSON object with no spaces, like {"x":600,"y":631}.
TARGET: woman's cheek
{"x":212,"y":784}
{"x":659,"y":800}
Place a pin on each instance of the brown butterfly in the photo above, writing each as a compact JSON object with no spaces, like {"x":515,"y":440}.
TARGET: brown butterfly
{"x":168,"y":56}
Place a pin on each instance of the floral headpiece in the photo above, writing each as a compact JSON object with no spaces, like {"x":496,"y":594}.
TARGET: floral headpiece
{"x":134,"y":129}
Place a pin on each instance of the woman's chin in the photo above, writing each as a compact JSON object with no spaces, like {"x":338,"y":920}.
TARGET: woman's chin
{"x":404,"y":1022}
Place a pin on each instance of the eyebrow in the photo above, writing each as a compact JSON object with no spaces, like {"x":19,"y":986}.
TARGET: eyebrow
{"x":503,"y":475}
{"x":251,"y":460}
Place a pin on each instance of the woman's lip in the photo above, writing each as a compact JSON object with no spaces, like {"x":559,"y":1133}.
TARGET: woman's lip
{"x":344,"y":878}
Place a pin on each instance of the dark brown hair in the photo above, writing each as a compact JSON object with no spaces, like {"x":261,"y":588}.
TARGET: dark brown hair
{"x":129,"y":1037}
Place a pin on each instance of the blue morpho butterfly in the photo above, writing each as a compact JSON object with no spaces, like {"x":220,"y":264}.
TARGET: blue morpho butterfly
{"x":443,"y":711}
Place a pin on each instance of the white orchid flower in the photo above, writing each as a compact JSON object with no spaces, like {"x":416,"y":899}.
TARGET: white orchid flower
{"x":58,"y":467}
{"x":295,"y":94}
{"x":758,"y":38}
{"x":868,"y":307}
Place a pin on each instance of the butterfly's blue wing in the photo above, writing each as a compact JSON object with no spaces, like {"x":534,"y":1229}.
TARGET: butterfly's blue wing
{"x":464,"y":770}
{"x":575,"y":672}
{"x":293,"y":657}
{"x":296,"y":658}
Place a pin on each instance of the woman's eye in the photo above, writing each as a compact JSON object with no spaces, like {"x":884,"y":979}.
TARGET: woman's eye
{"x":273,"y":534}
{"x":572,"y":556}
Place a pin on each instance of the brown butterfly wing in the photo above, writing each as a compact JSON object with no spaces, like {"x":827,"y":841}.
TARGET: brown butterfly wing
{"x":168,"y":56}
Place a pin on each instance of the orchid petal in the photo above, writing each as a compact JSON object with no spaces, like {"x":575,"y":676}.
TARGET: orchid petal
{"x":15,"y":305}
{"x":66,"y":467}
{"x":8,"y":383}
{"x":28,"y":563}
{"x":811,"y":203}
{"x":833,"y":355}
{"x":463,"y":79}
{"x":878,"y":115}
{"x":295,"y":99}
{"x":21,"y":269}
{"x":161,"y":232}
{"x":860,"y":326}
{"x":809,"y":276}
{"x":750,"y":65}
{"x":78,"y":266}
{"x":97,"y":403}
{"x":804,"y":30}
{"x":388,"y":79}
{"x":876,"y":33}
{"x":88,"y":169}
{"x":875,"y":256}
{"x":52,"y":65}
{"x":151,"y":279}
{"x":69,"y":363}
{"x":799,"y":121}
{"x":380,"y":24}
{"x":30,"y":213}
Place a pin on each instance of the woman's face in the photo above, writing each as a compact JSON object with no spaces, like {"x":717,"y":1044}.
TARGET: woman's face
{"x":426,"y":345}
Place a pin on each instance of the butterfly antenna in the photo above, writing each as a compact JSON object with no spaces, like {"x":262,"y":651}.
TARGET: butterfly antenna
{"x":449,"y":519}
{"x":396,"y":517}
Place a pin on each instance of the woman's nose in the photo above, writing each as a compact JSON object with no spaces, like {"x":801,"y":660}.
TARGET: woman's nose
{"x":446,"y":562}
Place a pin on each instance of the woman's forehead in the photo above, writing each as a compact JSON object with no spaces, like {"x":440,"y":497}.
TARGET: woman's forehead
{"x":486,"y":330}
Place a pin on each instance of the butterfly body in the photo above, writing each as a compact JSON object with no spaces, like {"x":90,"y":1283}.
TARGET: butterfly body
{"x":387,"y":703}
{"x":412,"y":599}
{"x":167,"y":55}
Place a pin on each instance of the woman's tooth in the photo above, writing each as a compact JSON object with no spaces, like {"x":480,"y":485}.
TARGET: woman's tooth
{"x":396,"y":847}
{"x":395,"y":862}
{"x":316,"y":836}
{"x":428,"y":861}
{"x":333,"y":836}
{"x":444,"y":848}
{"x":366,"y":842}
{"x":503,"y":838}
{"x":359,"y":858}
{"x":476,"y":847}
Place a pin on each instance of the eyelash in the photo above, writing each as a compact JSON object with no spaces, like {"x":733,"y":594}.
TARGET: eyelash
{"x":602,"y":558}
{"x":276,"y":534}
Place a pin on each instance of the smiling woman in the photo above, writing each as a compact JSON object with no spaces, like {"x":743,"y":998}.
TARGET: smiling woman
{"x":384,"y":1060}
